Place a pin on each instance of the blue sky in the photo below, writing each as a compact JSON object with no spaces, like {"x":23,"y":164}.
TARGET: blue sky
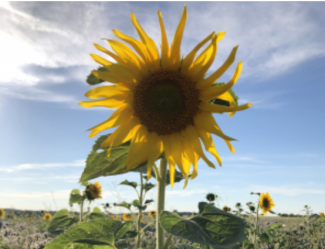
{"x":44,"y":60}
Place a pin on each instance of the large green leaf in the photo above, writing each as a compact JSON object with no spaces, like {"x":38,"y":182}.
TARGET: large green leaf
{"x":75,"y":197}
{"x":60,"y":221}
{"x":93,"y":234}
{"x":212,"y":227}
{"x":93,"y":80}
{"x":96,"y":214}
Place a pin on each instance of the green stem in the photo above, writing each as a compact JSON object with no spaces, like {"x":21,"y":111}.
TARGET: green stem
{"x":140,"y":211}
{"x":170,"y":236}
{"x":161,"y":201}
{"x":256,"y":224}
{"x":81,"y":210}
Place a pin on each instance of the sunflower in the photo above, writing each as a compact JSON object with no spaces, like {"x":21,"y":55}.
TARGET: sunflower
{"x":226,"y":209}
{"x":163,"y":102}
{"x":47,"y":217}
{"x":152,"y":213}
{"x":266,"y":203}
{"x":127,"y":217}
{"x":210,"y":197}
{"x":112,"y":217}
{"x":2,"y":213}
{"x":322,"y":214}
{"x":118,"y":218}
{"x":94,"y":191}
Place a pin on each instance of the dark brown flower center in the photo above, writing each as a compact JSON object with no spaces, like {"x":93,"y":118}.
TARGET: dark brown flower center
{"x":266,"y":203}
{"x":166,"y":102}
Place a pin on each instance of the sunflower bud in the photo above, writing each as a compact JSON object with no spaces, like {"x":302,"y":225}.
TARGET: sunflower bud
{"x":210,"y":197}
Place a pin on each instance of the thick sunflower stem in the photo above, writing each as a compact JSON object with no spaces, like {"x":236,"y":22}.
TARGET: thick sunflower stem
{"x":140,"y":211}
{"x":161,"y":202}
{"x":256,"y":224}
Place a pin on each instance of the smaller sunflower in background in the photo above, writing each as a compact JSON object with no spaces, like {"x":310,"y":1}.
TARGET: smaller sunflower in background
{"x":112,"y":217}
{"x":118,"y":218}
{"x":226,"y":209}
{"x":152,"y":213}
{"x":142,"y":216}
{"x":2,"y":213}
{"x":47,"y":217}
{"x":94,"y":191}
{"x":266,"y":203}
{"x":127,"y":217}
{"x":322,"y":214}
{"x":210,"y":197}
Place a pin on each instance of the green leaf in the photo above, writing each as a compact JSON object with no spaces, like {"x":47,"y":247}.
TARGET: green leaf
{"x":60,"y":221}
{"x":248,"y":245}
{"x":96,"y":214}
{"x":131,"y":184}
{"x":93,"y":234}
{"x":148,"y":186}
{"x":85,"y":183}
{"x":93,"y":80}
{"x":264,"y":237}
{"x":75,"y":197}
{"x":136,"y":203}
{"x":212,"y":227}
{"x":123,"y":204}
{"x":184,"y":246}
{"x":123,"y":230}
{"x":147,"y":202}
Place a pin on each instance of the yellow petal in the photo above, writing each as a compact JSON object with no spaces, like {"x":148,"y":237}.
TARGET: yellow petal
{"x":151,"y":45}
{"x":193,"y":136}
{"x":177,"y":152}
{"x":106,"y":92}
{"x":231,"y":148}
{"x":206,"y":122}
{"x":115,"y":101}
{"x":220,"y":109}
{"x":156,"y":149}
{"x":119,"y":117}
{"x":172,"y":174}
{"x":187,"y":165}
{"x":164,"y":44}
{"x":138,"y":46}
{"x":188,"y":60}
{"x":204,"y":61}
{"x":217,"y":74}
{"x":175,"y":51}
{"x":123,"y":133}
{"x":227,"y":97}
{"x":213,"y":92}
{"x":208,"y":144}
{"x":128,"y":56}
{"x":189,"y":152}
{"x":106,"y":76}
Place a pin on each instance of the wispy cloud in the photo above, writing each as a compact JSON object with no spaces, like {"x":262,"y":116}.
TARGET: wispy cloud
{"x":41,"y":166}
{"x":285,"y":190}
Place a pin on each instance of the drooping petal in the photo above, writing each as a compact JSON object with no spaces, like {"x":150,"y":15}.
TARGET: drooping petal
{"x":208,"y":144}
{"x":175,"y":50}
{"x":205,"y":121}
{"x":188,"y":60}
{"x":106,"y":92}
{"x":227,"y":97}
{"x":164,"y":44}
{"x":156,"y":149}
{"x":138,"y":46}
{"x":193,"y":136}
{"x":204,"y":61}
{"x":202,"y":84}
{"x":115,"y":101}
{"x":220,"y":109}
{"x":213,"y":92}
{"x":172,"y":170}
{"x":151,"y":45}
{"x":119,"y":117}
{"x":128,"y":56}
{"x":177,"y":152}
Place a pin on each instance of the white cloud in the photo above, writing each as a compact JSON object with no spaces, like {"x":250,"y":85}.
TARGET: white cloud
{"x":285,"y":190}
{"x":42,"y":166}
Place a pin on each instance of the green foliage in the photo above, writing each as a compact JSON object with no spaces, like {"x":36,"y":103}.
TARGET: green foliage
{"x":96,"y":214}
{"x":184,"y":246}
{"x":93,"y":80}
{"x":212,"y":227}
{"x":92,"y":234}
{"x":76,"y":197}
{"x":60,"y":221}
{"x":148,"y":186}
{"x":136,"y":203}
{"x":132,"y":184}
{"x":123,"y":204}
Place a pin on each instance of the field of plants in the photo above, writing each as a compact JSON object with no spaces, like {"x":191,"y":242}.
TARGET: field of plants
{"x":34,"y":230}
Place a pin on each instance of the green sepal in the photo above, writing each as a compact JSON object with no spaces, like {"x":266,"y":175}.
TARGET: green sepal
{"x":76,"y":197}
{"x":131,"y":184}
{"x":93,"y":80}
{"x":60,"y":221}
{"x":211,"y":227}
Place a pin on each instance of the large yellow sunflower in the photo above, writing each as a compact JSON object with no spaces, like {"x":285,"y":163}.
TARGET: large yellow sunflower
{"x":163,"y":103}
{"x":266,"y":203}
